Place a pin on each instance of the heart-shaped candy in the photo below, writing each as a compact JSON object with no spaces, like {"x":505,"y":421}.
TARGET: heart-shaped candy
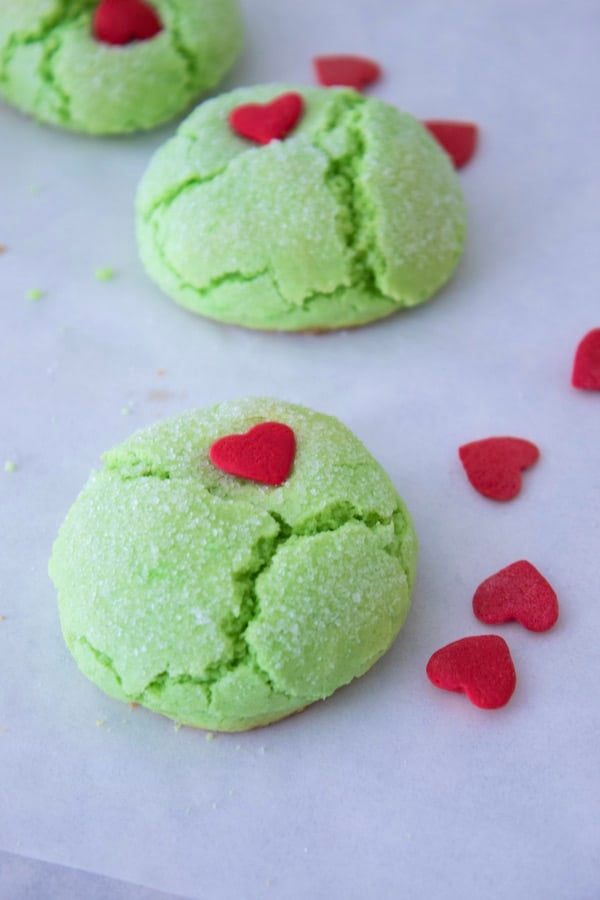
{"x":264,"y":454}
{"x":458,"y":139}
{"x":517,"y":592}
{"x":124,"y":21}
{"x":494,"y":465}
{"x":586,"y":366}
{"x":348,"y":71}
{"x":265,"y":122}
{"x":480,"y":667}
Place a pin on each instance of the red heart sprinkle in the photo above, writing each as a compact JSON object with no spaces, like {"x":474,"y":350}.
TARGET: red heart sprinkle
{"x":265,"y":122}
{"x":265,"y":453}
{"x":480,"y":667}
{"x":494,"y":465}
{"x":458,"y":139}
{"x":586,"y":367}
{"x":124,"y":21}
{"x":349,"y":71}
{"x":517,"y":592}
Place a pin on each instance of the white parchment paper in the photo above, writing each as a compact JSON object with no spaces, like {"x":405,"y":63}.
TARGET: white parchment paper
{"x":390,"y":788}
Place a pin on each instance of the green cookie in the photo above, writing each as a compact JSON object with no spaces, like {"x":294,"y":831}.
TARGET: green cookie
{"x":53,"y":67}
{"x":355,"y":214}
{"x":222,"y":602}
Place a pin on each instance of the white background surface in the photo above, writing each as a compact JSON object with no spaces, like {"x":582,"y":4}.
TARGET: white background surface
{"x":390,"y":788}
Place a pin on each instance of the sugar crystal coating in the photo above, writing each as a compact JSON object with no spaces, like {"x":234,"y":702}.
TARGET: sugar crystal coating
{"x":224,"y":603}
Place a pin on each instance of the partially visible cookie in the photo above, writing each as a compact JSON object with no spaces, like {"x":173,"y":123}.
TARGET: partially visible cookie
{"x":113,"y":66}
{"x":228,"y":601}
{"x":352,"y":214}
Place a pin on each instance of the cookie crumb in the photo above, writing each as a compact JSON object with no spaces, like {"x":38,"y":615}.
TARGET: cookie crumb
{"x":34,"y":294}
{"x":160,"y":395}
{"x":2,"y":618}
{"x":10,"y":466}
{"x":3,"y":249}
{"x":104,"y":273}
{"x":161,"y":371}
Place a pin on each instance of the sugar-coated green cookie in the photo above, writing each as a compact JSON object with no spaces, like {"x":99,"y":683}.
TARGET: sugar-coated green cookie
{"x":223,"y":602}
{"x":54,"y":67}
{"x":355,"y":214}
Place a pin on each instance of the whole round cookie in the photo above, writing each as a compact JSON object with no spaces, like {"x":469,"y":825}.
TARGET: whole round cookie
{"x":113,"y":66}
{"x":355,"y":213}
{"x":229,"y":566}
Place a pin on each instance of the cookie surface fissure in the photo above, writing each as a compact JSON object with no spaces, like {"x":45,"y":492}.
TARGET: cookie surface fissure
{"x":181,"y":50}
{"x":342,"y":178}
{"x":47,"y":31}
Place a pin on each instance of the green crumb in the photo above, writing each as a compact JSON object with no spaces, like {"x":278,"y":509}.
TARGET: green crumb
{"x":209,"y":736}
{"x":34,"y":294}
{"x":126,"y":411}
{"x":105,"y":273}
{"x":99,"y":723}
{"x":10,"y":466}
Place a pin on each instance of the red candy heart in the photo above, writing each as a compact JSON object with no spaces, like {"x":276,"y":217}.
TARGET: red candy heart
{"x":586,"y":367}
{"x":265,"y":122}
{"x":494,"y":465}
{"x":517,"y":592}
{"x":458,"y":139}
{"x":265,"y":453}
{"x":349,"y":71}
{"x":124,"y":21}
{"x":480,"y":667}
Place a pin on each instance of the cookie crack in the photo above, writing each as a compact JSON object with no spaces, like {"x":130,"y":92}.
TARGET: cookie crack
{"x":135,"y":466}
{"x":47,"y":32}
{"x":220,"y":280}
{"x":173,"y":193}
{"x":331,"y":519}
{"x":186,"y":56}
{"x":356,"y":212}
{"x":236,"y":626}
